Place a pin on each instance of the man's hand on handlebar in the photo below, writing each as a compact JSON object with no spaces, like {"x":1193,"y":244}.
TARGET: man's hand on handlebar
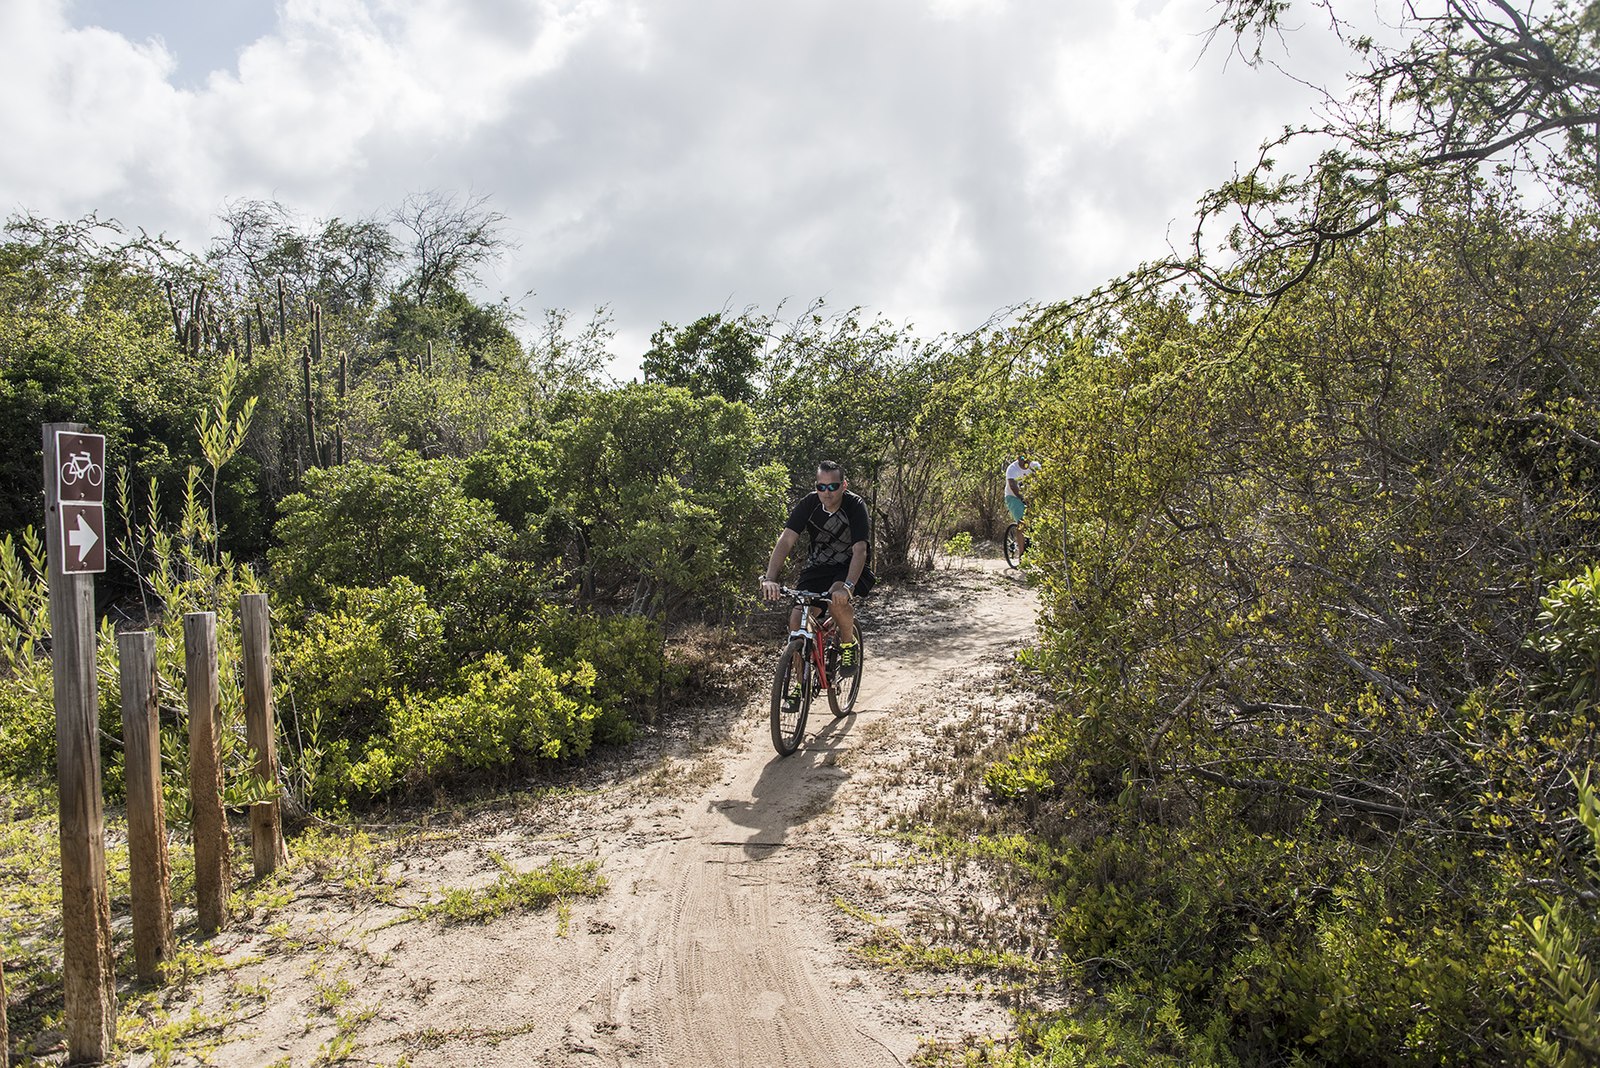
{"x":770,"y":590}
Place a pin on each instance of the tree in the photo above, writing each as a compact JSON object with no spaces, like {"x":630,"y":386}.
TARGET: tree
{"x":447,"y":241}
{"x":662,"y":487}
{"x":361,"y":525}
{"x":561,"y":361}
{"x":1289,"y":570}
{"x":1456,"y":95}
{"x":872,"y":396}
{"x":711,"y":355}
{"x":342,"y":266}
{"x":85,"y":336}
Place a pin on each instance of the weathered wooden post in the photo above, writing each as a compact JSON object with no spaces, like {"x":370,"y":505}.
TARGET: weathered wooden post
{"x":266,"y":822}
{"x":212,"y":864}
{"x":74,"y":496}
{"x":148,"y":866}
{"x":5,"y":1036}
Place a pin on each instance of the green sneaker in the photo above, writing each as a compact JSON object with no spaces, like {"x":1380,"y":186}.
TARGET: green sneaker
{"x":848,"y":658}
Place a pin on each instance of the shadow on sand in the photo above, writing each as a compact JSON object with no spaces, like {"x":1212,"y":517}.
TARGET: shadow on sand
{"x":791,"y":789}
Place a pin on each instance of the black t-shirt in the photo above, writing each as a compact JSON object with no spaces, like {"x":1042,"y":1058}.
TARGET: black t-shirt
{"x":831,"y":535}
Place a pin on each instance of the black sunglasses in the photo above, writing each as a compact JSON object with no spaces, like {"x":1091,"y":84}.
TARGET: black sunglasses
{"x":828,"y":487}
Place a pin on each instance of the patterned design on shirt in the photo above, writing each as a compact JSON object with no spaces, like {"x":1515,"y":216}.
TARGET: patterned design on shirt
{"x":832,"y":536}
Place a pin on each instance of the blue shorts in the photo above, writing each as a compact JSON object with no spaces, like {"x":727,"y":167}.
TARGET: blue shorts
{"x":1015,"y":506}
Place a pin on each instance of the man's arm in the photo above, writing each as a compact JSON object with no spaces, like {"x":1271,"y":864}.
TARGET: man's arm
{"x":858,"y":564}
{"x":780,"y":553}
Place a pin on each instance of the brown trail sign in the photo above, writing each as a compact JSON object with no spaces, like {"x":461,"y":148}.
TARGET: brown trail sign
{"x":77,"y":471}
{"x":88,"y":980}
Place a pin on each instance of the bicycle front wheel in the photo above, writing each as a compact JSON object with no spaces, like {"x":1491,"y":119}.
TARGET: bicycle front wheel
{"x":1012,"y":543}
{"x":791,"y":696}
{"x":843,"y":687}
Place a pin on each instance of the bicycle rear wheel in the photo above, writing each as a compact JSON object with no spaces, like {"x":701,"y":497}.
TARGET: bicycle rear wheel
{"x":1011,"y":544}
{"x":791,"y":696}
{"x":842,"y":688}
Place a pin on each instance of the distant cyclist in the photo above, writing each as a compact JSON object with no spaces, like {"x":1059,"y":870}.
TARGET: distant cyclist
{"x":837,"y":522}
{"x":1016,"y":473}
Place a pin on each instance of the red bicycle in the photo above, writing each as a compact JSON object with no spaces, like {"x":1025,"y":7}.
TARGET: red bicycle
{"x":808,"y":666}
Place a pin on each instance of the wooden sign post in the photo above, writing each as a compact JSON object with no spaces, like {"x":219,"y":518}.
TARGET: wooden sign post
{"x":88,"y":979}
{"x":261,"y":727}
{"x":5,"y":1037}
{"x":148,"y":868}
{"x":212,"y":865}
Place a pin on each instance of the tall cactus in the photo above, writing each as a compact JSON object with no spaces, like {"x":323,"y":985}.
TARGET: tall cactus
{"x":311,"y":410}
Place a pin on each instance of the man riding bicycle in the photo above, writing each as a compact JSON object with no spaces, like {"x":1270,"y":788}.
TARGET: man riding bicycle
{"x":836,"y":564}
{"x":1019,"y":469}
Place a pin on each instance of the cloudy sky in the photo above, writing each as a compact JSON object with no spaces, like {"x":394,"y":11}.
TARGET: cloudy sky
{"x":931,"y":161}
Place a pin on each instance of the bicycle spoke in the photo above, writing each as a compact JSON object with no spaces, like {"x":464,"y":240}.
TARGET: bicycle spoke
{"x":791,"y":697}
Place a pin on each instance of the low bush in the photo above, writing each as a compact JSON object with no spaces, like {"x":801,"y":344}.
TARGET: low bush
{"x":959,"y":544}
{"x":625,"y":654}
{"x":500,"y":716}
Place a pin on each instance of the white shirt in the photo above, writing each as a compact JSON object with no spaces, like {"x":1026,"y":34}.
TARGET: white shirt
{"x":1016,"y":472}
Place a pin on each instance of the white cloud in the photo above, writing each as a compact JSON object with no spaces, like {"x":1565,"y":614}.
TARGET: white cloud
{"x":933,"y":163}
{"x":84,"y":108}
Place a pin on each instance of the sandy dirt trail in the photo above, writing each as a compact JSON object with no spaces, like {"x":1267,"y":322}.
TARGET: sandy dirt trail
{"x":714,"y":946}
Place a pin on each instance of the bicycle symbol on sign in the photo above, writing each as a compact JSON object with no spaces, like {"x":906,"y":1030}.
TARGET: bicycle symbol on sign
{"x":80,"y":465}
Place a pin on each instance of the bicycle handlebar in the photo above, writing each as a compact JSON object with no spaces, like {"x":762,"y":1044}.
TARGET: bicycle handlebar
{"x":824,"y":600}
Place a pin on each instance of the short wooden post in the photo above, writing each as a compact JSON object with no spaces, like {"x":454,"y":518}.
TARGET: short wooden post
{"x":148,"y":866}
{"x":5,"y":1036}
{"x":266,"y":822}
{"x":212,"y":865}
{"x":88,"y":980}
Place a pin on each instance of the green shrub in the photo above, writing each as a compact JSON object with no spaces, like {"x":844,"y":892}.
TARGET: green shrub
{"x":1561,"y":938}
{"x":661,"y":485}
{"x":360,"y":525}
{"x":27,"y":704}
{"x":625,"y":653}
{"x":959,"y":544}
{"x":1250,"y":942}
{"x":1128,"y":1029}
{"x":27,"y":724}
{"x":513,"y":473}
{"x":500,"y":716}
{"x":1568,"y":635}
{"x":344,"y":665}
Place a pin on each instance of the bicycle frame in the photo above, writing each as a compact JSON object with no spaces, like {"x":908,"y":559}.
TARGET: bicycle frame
{"x":803,"y":671}
{"x":816,"y":637}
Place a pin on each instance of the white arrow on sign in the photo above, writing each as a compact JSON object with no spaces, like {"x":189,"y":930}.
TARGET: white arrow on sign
{"x":83,"y":539}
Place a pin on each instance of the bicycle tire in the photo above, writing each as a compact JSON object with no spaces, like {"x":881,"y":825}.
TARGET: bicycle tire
{"x":69,"y":474}
{"x":1009,"y":544}
{"x":94,"y":474}
{"x":789,"y":724}
{"x":841,"y":691}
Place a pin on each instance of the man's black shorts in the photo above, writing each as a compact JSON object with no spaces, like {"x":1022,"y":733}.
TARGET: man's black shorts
{"x":821,"y":579}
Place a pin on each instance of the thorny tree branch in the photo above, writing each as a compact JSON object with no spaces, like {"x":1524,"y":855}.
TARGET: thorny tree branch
{"x":1470,"y":83}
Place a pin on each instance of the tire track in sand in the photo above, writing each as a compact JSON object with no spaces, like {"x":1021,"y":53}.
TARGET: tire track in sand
{"x":721,"y":959}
